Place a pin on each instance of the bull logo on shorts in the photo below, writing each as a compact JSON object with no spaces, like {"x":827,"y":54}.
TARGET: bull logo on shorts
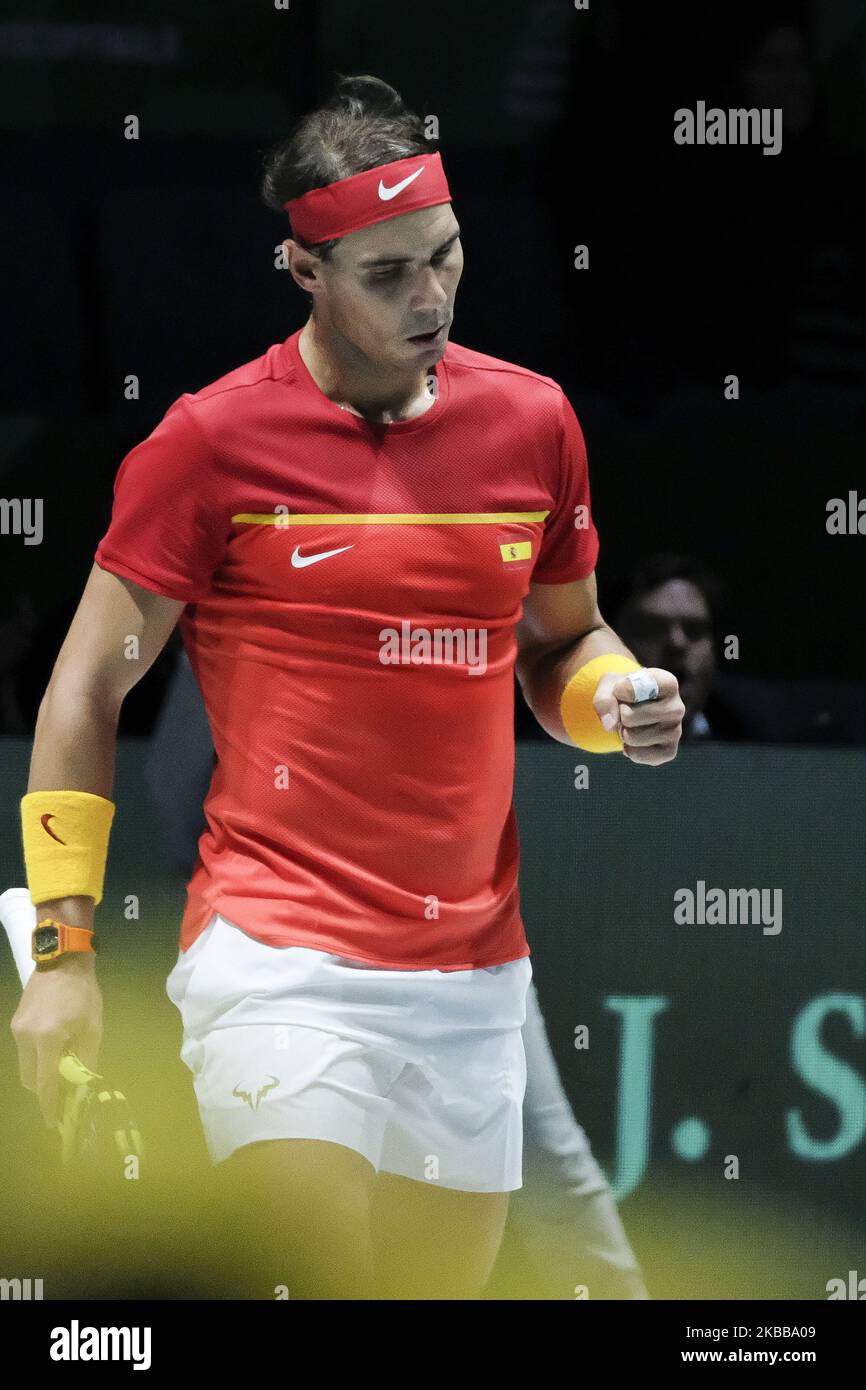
{"x":262,"y":1091}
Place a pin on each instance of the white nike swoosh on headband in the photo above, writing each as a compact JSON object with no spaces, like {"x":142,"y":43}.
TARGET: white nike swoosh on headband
{"x":386,"y":193}
{"x":298,"y":561}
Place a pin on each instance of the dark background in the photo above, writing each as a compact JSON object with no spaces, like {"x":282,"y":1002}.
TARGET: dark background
{"x":155,"y":257}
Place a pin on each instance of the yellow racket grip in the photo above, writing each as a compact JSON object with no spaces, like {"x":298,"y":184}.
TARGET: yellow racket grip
{"x":73,"y":1070}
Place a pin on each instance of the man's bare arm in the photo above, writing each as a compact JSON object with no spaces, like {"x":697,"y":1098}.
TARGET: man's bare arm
{"x":117,"y":633}
{"x":562,"y":629}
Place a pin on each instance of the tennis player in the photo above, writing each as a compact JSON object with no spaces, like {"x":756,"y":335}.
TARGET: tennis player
{"x":360,"y":532}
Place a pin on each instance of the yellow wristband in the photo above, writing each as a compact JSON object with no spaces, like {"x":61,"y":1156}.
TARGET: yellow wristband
{"x":65,"y":837}
{"x":577,"y":711}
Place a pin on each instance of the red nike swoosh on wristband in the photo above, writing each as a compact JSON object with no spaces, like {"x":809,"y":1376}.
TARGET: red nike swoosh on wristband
{"x":49,"y":815}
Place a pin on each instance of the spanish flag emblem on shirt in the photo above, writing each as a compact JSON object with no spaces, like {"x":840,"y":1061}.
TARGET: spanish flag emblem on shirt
{"x":515,"y":550}
{"x":515,"y":547}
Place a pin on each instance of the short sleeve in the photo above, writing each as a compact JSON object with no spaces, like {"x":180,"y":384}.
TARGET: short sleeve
{"x":569,"y":546}
{"x":166,"y":532}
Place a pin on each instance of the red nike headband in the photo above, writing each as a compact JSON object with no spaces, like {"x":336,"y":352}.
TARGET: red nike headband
{"x":389,"y":190}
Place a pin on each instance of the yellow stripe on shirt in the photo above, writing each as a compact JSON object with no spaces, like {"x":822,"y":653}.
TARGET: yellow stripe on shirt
{"x":386,"y":518}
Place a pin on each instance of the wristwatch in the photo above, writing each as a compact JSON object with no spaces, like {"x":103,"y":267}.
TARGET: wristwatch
{"x":52,"y":939}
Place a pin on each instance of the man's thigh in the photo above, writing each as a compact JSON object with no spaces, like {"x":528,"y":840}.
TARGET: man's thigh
{"x":307,"y":1204}
{"x":434,"y":1242}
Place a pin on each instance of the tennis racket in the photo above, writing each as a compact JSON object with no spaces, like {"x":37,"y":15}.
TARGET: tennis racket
{"x":96,"y":1124}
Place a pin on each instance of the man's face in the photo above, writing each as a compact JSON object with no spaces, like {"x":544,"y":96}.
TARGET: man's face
{"x":670,"y":626}
{"x":386,"y":283}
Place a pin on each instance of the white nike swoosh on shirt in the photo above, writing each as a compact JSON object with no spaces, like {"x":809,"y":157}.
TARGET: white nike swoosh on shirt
{"x":298,"y":561}
{"x":386,"y":193}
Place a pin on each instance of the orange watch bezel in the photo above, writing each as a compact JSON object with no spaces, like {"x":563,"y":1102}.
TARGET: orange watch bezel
{"x":70,"y":940}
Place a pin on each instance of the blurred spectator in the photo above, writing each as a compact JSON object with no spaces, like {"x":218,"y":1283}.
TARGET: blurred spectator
{"x":668,"y":615}
{"x":667,"y":619}
{"x":665,"y":612}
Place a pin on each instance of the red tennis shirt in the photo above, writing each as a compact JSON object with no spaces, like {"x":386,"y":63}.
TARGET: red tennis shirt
{"x":352,"y":591}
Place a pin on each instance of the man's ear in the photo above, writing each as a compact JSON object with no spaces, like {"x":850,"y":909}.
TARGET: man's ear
{"x":308,"y":264}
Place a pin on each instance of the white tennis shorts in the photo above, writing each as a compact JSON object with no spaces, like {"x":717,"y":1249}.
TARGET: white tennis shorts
{"x":421,"y":1071}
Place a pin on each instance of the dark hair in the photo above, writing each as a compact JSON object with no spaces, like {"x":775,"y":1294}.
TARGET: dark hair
{"x":661,"y":568}
{"x":362,"y":124}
